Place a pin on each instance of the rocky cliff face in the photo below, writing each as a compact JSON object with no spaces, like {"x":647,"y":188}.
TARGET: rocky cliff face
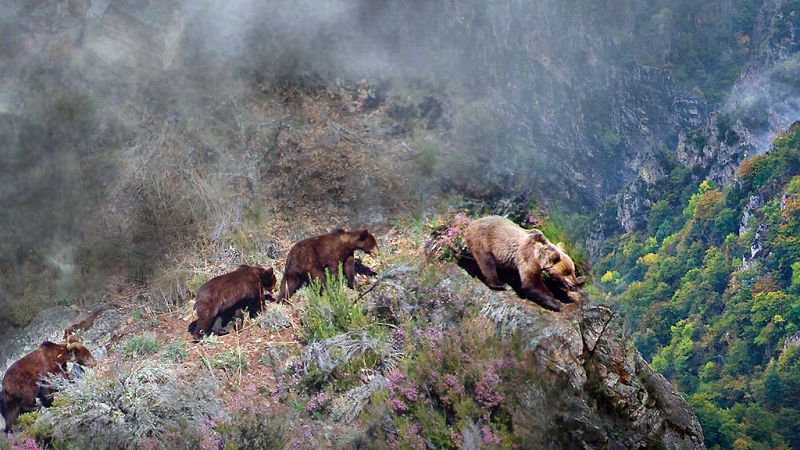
{"x":616,"y":398}
{"x":764,"y":101}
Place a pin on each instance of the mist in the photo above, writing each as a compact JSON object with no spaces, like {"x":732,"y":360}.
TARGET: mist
{"x":128,"y":127}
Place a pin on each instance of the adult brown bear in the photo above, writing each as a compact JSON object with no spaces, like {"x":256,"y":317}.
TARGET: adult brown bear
{"x":23,"y":381}
{"x":309,"y":258}
{"x":224,"y":295}
{"x":500,"y":247}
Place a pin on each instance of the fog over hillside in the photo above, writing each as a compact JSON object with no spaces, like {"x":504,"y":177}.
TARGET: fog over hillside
{"x":564,"y":102}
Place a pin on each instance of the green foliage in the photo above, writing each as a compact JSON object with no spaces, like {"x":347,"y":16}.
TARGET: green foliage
{"x":427,"y":156}
{"x":230,"y":362}
{"x":610,"y":140}
{"x":331,"y":309}
{"x":175,"y":352}
{"x":715,"y":327}
{"x":274,"y":317}
{"x":143,"y":344}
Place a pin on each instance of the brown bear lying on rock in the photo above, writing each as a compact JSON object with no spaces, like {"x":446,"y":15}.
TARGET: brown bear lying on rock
{"x":309,"y":258}
{"x":22,"y":383}
{"x":225,"y":295}
{"x":501,"y":247}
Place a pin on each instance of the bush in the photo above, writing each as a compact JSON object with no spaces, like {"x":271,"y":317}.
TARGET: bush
{"x":467,"y":381}
{"x":175,"y":352}
{"x":155,"y":402}
{"x":275,"y":317}
{"x":136,"y":346}
{"x":331,"y":309}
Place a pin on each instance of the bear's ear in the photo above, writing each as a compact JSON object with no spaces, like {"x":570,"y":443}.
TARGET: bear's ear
{"x":364,"y":234}
{"x":555,"y":258}
{"x":537,"y":236}
{"x":560,"y":246}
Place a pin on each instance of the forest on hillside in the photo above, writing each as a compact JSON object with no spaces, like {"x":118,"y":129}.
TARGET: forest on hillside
{"x":712,"y":290}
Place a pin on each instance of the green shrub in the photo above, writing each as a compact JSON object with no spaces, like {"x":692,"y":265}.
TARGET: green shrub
{"x":175,"y":352}
{"x":143,"y":344}
{"x":274,"y":355}
{"x":275,"y":317}
{"x":331,"y":308}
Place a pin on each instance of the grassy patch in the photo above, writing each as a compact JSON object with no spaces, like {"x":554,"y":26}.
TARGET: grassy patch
{"x":175,"y":352}
{"x":143,"y":344}
{"x":230,"y":361}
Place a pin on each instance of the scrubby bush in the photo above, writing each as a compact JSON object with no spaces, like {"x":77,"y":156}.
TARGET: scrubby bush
{"x":143,"y":344}
{"x":152,"y":403}
{"x":175,"y":352}
{"x":461,"y":384}
{"x":331,"y":308}
{"x":274,"y":317}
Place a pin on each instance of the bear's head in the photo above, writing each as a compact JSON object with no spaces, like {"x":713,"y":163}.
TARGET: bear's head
{"x":364,"y":240}
{"x":79,"y":354}
{"x":268,"y":279}
{"x":555,"y":263}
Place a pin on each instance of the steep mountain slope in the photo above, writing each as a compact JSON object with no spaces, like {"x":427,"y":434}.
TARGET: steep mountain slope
{"x":712,"y":293}
{"x":422,"y":355}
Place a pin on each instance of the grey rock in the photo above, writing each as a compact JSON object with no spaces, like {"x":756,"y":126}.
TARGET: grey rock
{"x":615,"y":399}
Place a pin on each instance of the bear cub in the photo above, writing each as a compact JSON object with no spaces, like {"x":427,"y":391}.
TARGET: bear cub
{"x":23,"y":381}
{"x":501,"y":247}
{"x":309,"y":258}
{"x":225,"y":296}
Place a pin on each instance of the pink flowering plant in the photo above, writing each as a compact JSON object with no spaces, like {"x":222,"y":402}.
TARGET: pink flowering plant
{"x":463,"y":381}
{"x":447,"y":241}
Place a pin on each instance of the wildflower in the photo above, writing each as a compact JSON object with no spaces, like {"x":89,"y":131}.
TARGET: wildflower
{"x":398,"y":406}
{"x":27,"y":444}
{"x":318,"y":403}
{"x":489,"y":438}
{"x":395,"y":378}
{"x":486,"y":390}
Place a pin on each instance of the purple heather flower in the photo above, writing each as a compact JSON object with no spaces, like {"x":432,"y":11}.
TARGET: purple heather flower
{"x":27,"y":444}
{"x":398,"y":406}
{"x":486,"y":390}
{"x":489,"y":438}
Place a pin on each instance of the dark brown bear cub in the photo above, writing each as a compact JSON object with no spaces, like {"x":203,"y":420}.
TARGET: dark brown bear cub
{"x":242,"y":288}
{"x":309,"y":258}
{"x":22,"y":383}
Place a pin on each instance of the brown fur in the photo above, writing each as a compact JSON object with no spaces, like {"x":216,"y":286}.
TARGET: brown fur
{"x":22,"y":383}
{"x":546,"y":272}
{"x":309,"y":258}
{"x":244,"y":286}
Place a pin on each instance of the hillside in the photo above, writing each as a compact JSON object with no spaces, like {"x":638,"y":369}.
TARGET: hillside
{"x":420,"y":355}
{"x":147,"y":146}
{"x":712,"y":291}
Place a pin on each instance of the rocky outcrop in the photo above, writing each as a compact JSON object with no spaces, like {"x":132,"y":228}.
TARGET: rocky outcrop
{"x":616,"y":399}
